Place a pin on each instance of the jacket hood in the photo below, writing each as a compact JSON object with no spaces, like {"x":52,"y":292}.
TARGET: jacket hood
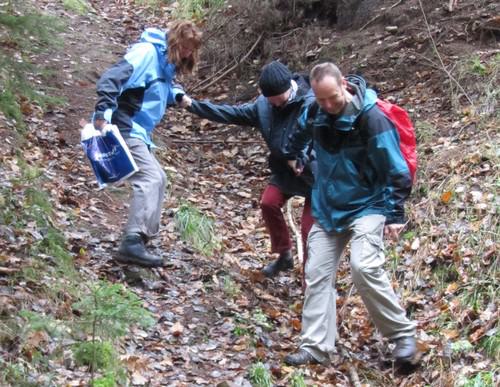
{"x":155,"y":36}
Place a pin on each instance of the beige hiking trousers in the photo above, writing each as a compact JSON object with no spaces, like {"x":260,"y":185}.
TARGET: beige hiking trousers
{"x":368,"y":275}
{"x":148,"y":191}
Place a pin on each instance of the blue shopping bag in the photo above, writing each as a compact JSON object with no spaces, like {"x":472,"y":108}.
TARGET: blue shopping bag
{"x":108,"y":154}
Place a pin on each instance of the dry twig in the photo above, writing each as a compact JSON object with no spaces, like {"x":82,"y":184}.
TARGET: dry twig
{"x":441,"y":59}
{"x":232,"y":67}
{"x":296,"y":232}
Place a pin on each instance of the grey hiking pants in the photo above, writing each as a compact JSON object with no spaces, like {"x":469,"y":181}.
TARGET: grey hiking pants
{"x":368,"y":275}
{"x":148,"y":191}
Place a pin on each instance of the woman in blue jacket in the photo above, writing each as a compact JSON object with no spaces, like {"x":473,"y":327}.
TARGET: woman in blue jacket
{"x":133,"y":94}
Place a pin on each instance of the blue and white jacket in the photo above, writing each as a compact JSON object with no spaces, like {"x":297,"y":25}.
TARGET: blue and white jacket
{"x":360,"y":168}
{"x":134,"y":93}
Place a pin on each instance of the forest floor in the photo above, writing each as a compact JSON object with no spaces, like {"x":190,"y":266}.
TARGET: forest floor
{"x":216,"y":315}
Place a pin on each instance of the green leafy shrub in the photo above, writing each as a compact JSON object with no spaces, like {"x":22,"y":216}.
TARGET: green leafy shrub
{"x":96,"y":355}
{"x":108,"y":310}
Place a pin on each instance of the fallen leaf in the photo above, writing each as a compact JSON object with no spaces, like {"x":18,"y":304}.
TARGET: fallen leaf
{"x":446,"y":197}
{"x":177,"y":329}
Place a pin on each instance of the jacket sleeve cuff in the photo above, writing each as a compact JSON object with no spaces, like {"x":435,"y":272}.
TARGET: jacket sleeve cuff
{"x":395,"y":219}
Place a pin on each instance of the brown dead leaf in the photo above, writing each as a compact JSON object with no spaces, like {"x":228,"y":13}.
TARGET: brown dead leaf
{"x":446,"y":197}
{"x":296,"y":324}
{"x":135,"y":363}
{"x":35,"y":339}
{"x":450,"y":334}
{"x":271,"y":312}
{"x":177,"y":329}
{"x":452,"y":288}
{"x":261,"y":353}
{"x":254,"y":275}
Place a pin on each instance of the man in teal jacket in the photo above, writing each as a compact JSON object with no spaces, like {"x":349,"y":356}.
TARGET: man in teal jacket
{"x":361,"y":184}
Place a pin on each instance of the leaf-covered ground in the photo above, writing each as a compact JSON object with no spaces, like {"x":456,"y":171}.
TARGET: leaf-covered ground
{"x":215,"y":314}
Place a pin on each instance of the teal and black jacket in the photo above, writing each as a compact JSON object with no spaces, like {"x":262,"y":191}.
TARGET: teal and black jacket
{"x":134,"y":93}
{"x":360,"y":168}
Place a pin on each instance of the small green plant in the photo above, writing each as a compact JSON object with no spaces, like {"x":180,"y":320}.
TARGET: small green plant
{"x":260,"y":318}
{"x":109,"y":380}
{"x":240,"y":330}
{"x":425,"y":131}
{"x":461,"y":347}
{"x":477,"y":67}
{"x":196,"y":9}
{"x":297,"y":379}
{"x":482,"y":379}
{"x":197,"y":229}
{"x":259,"y":375}
{"x":39,"y":322}
{"x":14,"y":374}
{"x":78,"y":6}
{"x":96,"y":355}
{"x":108,"y":310}
{"x":491,"y":345}
{"x":230,"y":287}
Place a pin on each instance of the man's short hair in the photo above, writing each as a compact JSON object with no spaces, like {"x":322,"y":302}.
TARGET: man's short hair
{"x":325,"y":69}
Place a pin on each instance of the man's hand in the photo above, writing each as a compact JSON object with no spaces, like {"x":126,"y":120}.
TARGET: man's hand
{"x":296,"y":167}
{"x":392,"y":231}
{"x":185,"y":101}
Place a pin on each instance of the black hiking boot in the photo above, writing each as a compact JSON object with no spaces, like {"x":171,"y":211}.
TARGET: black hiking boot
{"x":302,"y":357}
{"x":405,"y":350}
{"x":132,"y":250}
{"x":284,"y":262}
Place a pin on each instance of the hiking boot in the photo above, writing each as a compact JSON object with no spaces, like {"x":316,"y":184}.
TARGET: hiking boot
{"x":302,"y":357}
{"x":132,"y":250}
{"x":406,"y":348}
{"x":284,"y":262}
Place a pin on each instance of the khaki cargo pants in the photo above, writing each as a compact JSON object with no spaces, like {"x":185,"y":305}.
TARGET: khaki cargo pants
{"x":368,"y":275}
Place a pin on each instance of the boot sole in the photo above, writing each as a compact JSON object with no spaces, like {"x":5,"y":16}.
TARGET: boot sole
{"x":413,"y":360}
{"x":122,"y":258}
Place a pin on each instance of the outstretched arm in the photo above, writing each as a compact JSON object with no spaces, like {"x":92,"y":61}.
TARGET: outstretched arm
{"x":245,"y":114}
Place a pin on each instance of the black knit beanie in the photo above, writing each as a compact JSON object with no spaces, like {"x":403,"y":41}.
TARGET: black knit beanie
{"x":274,"y":79}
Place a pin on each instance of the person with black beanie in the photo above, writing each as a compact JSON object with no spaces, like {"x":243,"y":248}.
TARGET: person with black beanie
{"x":275,"y":112}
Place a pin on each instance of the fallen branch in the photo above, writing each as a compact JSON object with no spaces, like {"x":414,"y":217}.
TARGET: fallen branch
{"x":214,"y":141}
{"x":209,"y":79}
{"x":232,"y":67}
{"x":353,"y":374}
{"x":441,"y":59}
{"x":296,"y":232}
{"x":380,"y":15}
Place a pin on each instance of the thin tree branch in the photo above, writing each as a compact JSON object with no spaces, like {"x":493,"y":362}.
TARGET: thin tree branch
{"x":233,"y":67}
{"x":441,"y":59}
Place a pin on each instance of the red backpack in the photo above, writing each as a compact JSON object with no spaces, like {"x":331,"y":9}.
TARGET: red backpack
{"x":401,"y":120}
{"x":407,"y":141}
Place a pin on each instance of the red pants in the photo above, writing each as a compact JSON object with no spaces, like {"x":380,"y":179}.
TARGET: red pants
{"x":271,"y":203}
